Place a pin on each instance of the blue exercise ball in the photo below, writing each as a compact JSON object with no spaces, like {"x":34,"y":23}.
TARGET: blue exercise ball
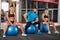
{"x":31,"y":29}
{"x":43,"y":28}
{"x":12,"y":30}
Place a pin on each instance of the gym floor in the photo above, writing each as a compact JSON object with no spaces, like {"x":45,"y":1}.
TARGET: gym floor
{"x":44,"y":36}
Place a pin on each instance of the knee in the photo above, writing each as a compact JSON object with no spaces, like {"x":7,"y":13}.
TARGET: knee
{"x":53,"y":24}
{"x":20,"y":24}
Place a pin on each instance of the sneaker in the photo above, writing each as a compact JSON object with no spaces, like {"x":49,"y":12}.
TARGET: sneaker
{"x":49,"y":32}
{"x":56,"y":32}
{"x":24,"y":34}
{"x":4,"y":35}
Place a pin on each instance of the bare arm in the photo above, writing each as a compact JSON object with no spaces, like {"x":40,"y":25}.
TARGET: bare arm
{"x":36,"y":20}
{"x":48,"y":18}
{"x":25,"y":16}
{"x":15,"y":16}
{"x":7,"y":17}
{"x":43,"y":17}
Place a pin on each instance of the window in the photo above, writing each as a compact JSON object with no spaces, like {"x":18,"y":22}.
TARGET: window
{"x":41,"y":5}
{"x":23,"y":3}
{"x":50,"y":15}
{"x":55,"y":15}
{"x":33,"y":4}
{"x":29,"y":4}
{"x":52,"y":5}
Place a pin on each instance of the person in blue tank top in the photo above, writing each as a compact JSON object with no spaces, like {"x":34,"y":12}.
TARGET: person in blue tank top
{"x":31,"y":17}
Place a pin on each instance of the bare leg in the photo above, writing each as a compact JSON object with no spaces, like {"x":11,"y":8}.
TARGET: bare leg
{"x":7,"y":24}
{"x":4,"y":31}
{"x":53,"y":26}
{"x":21,"y":27}
{"x":55,"y":30}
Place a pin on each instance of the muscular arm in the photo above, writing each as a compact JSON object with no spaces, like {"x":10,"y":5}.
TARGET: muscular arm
{"x":25,"y":16}
{"x":36,"y":20}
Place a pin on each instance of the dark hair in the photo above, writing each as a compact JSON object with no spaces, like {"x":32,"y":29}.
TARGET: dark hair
{"x":34,"y":8}
{"x":11,"y":5}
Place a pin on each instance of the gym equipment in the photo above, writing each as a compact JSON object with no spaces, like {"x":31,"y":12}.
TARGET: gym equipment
{"x":12,"y":30}
{"x":43,"y":28}
{"x":31,"y":29}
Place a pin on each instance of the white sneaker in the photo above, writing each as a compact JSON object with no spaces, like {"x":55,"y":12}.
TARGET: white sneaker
{"x":56,"y":32}
{"x":49,"y":32}
{"x":4,"y":35}
{"x":24,"y":34}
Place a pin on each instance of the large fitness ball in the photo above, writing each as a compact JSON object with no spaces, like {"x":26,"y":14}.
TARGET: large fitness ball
{"x":31,"y":29}
{"x":12,"y":31}
{"x":43,"y":28}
